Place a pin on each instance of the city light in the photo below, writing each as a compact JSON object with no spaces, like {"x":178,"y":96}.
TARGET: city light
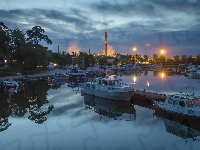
{"x":162,"y":75}
{"x":162,"y":51}
{"x":147,"y":83}
{"x":134,"y":79}
{"x":134,"y":49}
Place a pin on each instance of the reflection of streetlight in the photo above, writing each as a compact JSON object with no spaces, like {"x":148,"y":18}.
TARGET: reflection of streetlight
{"x":134,"y":79}
{"x":147,"y":83}
{"x":162,"y":75}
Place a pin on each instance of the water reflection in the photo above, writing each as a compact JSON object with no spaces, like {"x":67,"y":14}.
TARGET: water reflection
{"x":31,"y":99}
{"x":118,"y":110}
{"x":178,"y":125}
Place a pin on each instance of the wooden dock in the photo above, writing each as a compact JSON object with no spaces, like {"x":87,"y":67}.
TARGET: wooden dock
{"x":149,"y":95}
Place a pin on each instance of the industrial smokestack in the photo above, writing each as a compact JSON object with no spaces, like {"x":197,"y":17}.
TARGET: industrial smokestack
{"x":58,"y":49}
{"x":89,"y":51}
{"x":106,"y":42}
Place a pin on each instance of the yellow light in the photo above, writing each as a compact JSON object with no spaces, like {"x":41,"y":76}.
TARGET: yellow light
{"x":134,"y":79}
{"x":55,"y":64}
{"x":147,"y":83}
{"x":98,"y":54}
{"x":94,"y":55}
{"x":134,"y":48}
{"x":5,"y":61}
{"x":162,"y":51}
{"x":162,"y":75}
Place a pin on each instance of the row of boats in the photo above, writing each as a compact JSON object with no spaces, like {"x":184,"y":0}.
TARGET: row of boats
{"x":114,"y":89}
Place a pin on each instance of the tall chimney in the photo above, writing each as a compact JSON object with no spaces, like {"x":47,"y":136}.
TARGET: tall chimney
{"x":89,"y":51}
{"x":58,"y":49}
{"x":106,"y":42}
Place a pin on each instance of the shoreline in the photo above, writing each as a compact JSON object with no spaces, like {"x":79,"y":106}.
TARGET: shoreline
{"x":44,"y":73}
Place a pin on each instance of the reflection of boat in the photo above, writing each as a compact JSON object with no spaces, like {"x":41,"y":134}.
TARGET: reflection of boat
{"x":168,"y":71}
{"x":194,"y":75}
{"x":109,"y":108}
{"x":9,"y":83}
{"x":191,"y":122}
{"x":155,"y":67}
{"x":131,"y":68}
{"x":109,"y":88}
{"x":182,"y":104}
{"x":179,"y":129}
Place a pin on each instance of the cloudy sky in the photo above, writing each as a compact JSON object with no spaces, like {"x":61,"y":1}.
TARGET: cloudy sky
{"x":170,"y":24}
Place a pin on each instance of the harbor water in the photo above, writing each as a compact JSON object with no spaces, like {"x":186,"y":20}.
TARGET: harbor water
{"x":58,"y":117}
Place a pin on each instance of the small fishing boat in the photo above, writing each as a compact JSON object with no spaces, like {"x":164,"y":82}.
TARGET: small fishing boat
{"x":61,"y":76}
{"x":182,"y":104}
{"x":109,"y":88}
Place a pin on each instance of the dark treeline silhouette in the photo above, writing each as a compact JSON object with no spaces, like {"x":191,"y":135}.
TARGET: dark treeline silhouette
{"x":32,"y":99}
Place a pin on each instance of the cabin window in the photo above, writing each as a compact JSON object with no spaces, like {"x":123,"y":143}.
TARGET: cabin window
{"x":93,"y":87}
{"x":106,"y":83}
{"x":170,"y":101}
{"x":175,"y":102}
{"x":182,"y":103}
{"x":87,"y":85}
{"x":197,"y":102}
{"x":189,"y":103}
{"x":99,"y":81}
{"x":110,"y":82}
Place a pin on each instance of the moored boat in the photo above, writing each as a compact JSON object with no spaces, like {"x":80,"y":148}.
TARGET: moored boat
{"x":182,"y":104}
{"x":109,"y":88}
{"x":61,"y":76}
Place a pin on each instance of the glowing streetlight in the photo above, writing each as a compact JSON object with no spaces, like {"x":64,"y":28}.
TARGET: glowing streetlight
{"x":134,"y":50}
{"x":162,"y":51}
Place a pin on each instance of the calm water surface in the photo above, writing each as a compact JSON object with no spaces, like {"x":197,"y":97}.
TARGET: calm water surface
{"x":58,"y":117}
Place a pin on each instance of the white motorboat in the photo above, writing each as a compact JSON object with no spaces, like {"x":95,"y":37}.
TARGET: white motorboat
{"x":109,"y":88}
{"x":182,"y":104}
{"x":131,"y":68}
{"x":75,"y":73}
{"x":61,"y":76}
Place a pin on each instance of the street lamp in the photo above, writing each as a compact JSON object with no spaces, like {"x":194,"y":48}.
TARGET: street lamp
{"x":73,"y":61}
{"x":82,"y":63}
{"x":134,"y":50}
{"x":162,"y":51}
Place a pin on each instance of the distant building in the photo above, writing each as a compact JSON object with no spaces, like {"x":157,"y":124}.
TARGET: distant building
{"x":110,"y":59}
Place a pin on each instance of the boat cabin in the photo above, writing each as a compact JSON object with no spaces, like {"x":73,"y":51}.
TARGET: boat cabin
{"x":183,"y":100}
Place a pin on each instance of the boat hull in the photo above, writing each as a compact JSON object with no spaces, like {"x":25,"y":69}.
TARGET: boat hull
{"x":179,"y":113}
{"x":119,"y":96}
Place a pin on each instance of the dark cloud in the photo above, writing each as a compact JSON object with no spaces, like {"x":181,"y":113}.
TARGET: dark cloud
{"x":134,"y":23}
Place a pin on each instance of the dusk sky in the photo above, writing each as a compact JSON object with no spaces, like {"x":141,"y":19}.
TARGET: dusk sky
{"x":80,"y":24}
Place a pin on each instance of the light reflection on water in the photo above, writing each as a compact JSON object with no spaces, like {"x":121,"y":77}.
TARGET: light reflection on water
{"x":86,"y":122}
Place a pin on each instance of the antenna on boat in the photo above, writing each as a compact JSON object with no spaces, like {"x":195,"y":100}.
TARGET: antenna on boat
{"x":185,"y":89}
